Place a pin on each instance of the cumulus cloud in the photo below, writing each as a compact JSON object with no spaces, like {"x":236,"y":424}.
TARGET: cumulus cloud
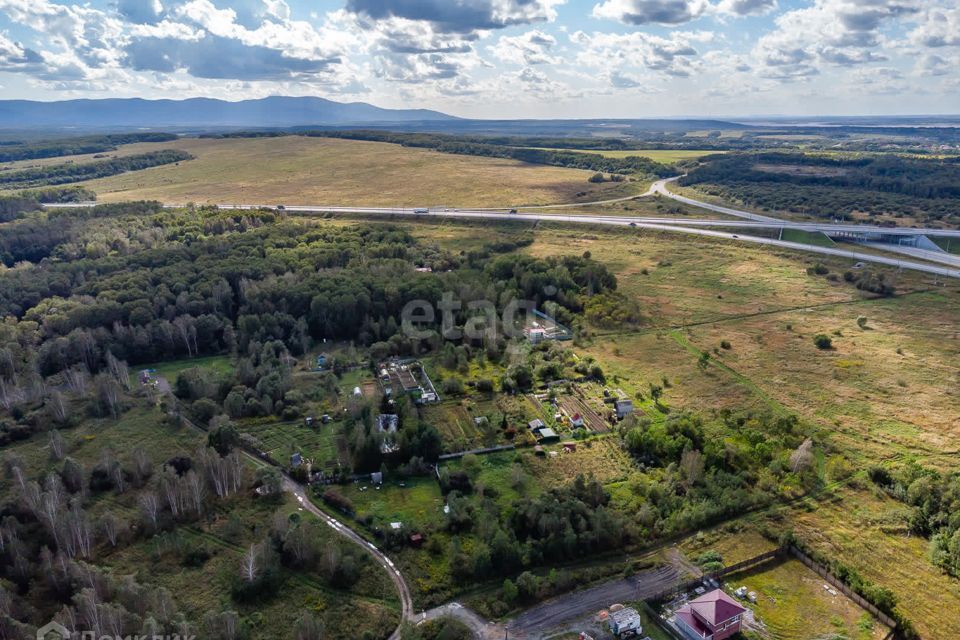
{"x":461,"y":16}
{"x":746,"y":7}
{"x":674,"y":55}
{"x":835,"y":32}
{"x":639,"y":12}
{"x":14,"y":56}
{"x":531,"y":48}
{"x":940,"y":28}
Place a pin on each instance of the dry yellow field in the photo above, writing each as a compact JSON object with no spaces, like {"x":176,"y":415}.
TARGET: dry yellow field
{"x":300,"y":170}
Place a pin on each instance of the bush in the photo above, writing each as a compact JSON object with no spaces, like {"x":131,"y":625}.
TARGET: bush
{"x":823,"y":341}
{"x":338,"y":501}
{"x":452,"y":386}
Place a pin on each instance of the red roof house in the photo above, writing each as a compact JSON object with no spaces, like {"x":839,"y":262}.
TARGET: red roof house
{"x":712,"y":616}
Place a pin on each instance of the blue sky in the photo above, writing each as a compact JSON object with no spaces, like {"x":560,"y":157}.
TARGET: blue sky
{"x":498,"y":58}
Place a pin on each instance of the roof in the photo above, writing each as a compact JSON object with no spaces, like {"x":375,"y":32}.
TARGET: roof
{"x":625,"y":619}
{"x":685,"y":615}
{"x":625,"y":404}
{"x":716,"y":607}
{"x":547,"y":432}
{"x":536,"y":424}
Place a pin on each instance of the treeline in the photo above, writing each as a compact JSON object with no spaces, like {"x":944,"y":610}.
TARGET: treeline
{"x":32,"y":150}
{"x":482,"y":146}
{"x":935,"y":501}
{"x":887,"y":184}
{"x":75,"y":172}
{"x":16,"y":206}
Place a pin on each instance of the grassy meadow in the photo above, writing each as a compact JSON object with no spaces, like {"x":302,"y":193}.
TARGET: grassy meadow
{"x":304,"y":170}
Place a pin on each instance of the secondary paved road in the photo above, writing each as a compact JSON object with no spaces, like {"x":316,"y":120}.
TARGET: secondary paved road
{"x":660,"y":187}
{"x":671,"y":226}
{"x":534,"y":622}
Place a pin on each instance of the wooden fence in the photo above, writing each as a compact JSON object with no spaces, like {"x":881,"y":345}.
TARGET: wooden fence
{"x":780,"y":553}
{"x":824,"y":573}
{"x":481,"y":451}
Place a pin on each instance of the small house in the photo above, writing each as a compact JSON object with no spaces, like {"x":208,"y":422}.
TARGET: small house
{"x":623,"y":408}
{"x":569,"y":447}
{"x":538,"y":451}
{"x":536,"y":424}
{"x":325,"y":418}
{"x":308,"y":421}
{"x":396,"y":526}
{"x":416,"y":540}
{"x":548,"y":435}
{"x":296,"y":460}
{"x":376,"y":477}
{"x":576,"y":420}
{"x":322,"y":361}
{"x":625,"y":622}
{"x":356,"y":392}
{"x":714,"y":615}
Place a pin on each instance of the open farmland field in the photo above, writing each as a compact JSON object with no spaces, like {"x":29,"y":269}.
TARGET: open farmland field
{"x":909,"y":348}
{"x":304,"y":170}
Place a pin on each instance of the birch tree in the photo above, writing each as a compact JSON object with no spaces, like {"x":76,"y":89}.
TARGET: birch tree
{"x":149,"y":507}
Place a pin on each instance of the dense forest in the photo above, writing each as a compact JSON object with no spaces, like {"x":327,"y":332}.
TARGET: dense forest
{"x":13,"y":150}
{"x":832,"y":186}
{"x":75,"y":172}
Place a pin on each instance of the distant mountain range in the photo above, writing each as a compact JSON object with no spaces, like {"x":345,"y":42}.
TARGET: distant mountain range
{"x":277,"y":111}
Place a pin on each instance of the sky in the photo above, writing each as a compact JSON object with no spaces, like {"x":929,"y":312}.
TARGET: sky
{"x":498,"y":58}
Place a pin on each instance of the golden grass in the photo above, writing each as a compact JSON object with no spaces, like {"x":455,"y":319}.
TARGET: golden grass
{"x":866,"y":532}
{"x":301,"y":170}
{"x":793,"y":605}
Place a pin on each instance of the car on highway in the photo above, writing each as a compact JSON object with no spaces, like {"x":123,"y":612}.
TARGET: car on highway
{"x":420,"y":210}
{"x":512,"y":211}
{"x":280,"y":207}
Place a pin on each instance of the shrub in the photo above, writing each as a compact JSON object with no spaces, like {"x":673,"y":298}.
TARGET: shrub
{"x":823,"y":341}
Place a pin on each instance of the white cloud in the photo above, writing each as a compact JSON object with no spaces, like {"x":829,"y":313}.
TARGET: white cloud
{"x":531,"y":48}
{"x":835,"y":32}
{"x":460,"y":16}
{"x":674,"y":56}
{"x":746,"y":7}
{"x":940,"y":28}
{"x":638,"y":12}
